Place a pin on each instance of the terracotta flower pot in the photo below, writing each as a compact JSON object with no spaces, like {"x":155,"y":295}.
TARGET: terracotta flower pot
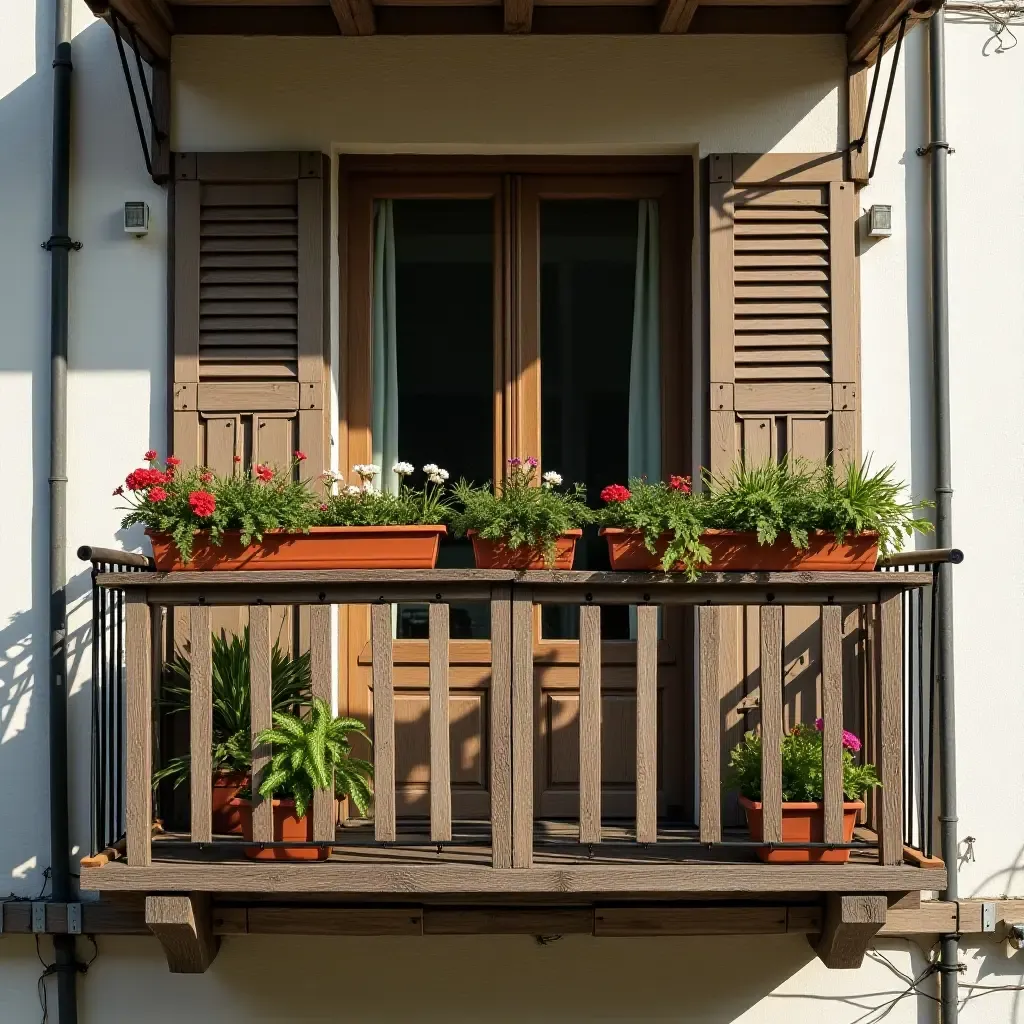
{"x":324,"y":547}
{"x":226,"y":786}
{"x":732,"y":551}
{"x":286,"y":828}
{"x":801,"y":823}
{"x":493,"y":554}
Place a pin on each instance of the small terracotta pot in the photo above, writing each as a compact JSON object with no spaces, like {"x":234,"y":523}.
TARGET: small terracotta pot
{"x":493,"y":554}
{"x":732,"y":551}
{"x":324,"y":547}
{"x":226,"y":786}
{"x":801,"y":823}
{"x":286,"y":827}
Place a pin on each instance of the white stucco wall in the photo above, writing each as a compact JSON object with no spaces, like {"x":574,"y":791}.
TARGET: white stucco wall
{"x":628,"y":95}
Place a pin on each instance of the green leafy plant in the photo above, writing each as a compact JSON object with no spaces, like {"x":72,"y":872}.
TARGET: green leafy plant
{"x":363,"y":505}
{"x":518,"y":511}
{"x":231,"y":752}
{"x":802,"y":770}
{"x":177,"y":502}
{"x":307,"y":751}
{"x":661,"y":510}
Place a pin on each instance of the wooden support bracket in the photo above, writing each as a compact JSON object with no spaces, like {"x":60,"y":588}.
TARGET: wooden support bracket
{"x":851,"y":922}
{"x":184,"y":926}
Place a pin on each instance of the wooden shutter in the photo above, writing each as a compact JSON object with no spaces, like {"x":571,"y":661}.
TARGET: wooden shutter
{"x":783,"y":370}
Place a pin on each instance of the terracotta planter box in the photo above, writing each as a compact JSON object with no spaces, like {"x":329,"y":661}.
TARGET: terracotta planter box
{"x":801,"y":823}
{"x":286,"y":828}
{"x":492,"y":554}
{"x":324,"y":547}
{"x":732,"y":551}
{"x":227,"y":820}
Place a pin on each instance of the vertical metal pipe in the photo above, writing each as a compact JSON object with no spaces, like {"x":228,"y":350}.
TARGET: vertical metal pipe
{"x":938,"y":150}
{"x":59,"y":247}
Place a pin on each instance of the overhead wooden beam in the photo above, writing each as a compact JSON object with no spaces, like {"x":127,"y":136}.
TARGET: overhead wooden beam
{"x":184,"y":926}
{"x":877,"y":18}
{"x":151,"y":21}
{"x":676,"y":15}
{"x":518,"y":15}
{"x":851,"y":922}
{"x":355,"y":17}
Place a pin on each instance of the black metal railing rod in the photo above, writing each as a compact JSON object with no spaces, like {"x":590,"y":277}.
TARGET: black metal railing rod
{"x":922,"y":556}
{"x":114,"y":557}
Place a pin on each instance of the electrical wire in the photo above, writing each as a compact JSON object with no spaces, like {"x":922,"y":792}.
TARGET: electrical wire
{"x":999,"y":17}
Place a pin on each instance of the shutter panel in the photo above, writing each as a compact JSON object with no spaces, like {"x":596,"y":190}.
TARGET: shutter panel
{"x":783,"y":368}
{"x":250,"y":328}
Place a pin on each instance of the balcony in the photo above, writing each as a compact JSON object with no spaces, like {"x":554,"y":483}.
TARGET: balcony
{"x":876,"y":672}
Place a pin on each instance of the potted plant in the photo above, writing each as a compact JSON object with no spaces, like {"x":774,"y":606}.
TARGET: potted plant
{"x":267,"y":519}
{"x":520,"y":525}
{"x":790,"y":515}
{"x":379,"y":530}
{"x":307,"y":753}
{"x":803,"y":810}
{"x":231,"y":754}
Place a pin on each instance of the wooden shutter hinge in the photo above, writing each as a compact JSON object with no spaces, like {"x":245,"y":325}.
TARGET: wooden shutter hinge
{"x":844,"y":397}
{"x":185,"y":397}
{"x":311,"y":395}
{"x":720,"y":166}
{"x":721,"y":399}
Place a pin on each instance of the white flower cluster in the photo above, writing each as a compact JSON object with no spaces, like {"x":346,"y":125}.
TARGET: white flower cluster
{"x":402,"y":469}
{"x":435,"y":474}
{"x":552,"y":479}
{"x":366,"y":471}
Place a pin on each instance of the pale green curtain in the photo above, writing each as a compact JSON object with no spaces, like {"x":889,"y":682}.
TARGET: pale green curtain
{"x":645,"y":358}
{"x":385,"y":346}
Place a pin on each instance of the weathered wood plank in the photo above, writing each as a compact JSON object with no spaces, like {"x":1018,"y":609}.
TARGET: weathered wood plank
{"x":440,"y":758}
{"x":508,"y":921}
{"x":522,"y":728}
{"x":890,"y":706}
{"x":647,"y":920}
{"x":261,"y":717}
{"x":771,"y":722}
{"x":335,"y":920}
{"x":138,"y":727}
{"x":518,"y":15}
{"x":851,"y":922}
{"x":646,"y":723}
{"x":590,"y":723}
{"x":184,"y":926}
{"x":320,"y":687}
{"x":384,"y":825}
{"x":710,"y":636}
{"x":501,"y":727}
{"x":832,"y":715}
{"x":677,"y":15}
{"x":201,"y":724}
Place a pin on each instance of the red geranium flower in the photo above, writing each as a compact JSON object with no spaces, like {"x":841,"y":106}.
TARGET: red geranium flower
{"x":140,"y":479}
{"x":150,"y":455}
{"x":679,"y":483}
{"x":323,"y":506}
{"x":206,"y":477}
{"x":615,"y":492}
{"x":299,"y":456}
{"x":264,"y":472}
{"x":238,"y":458}
{"x":203,"y":503}
{"x":173,"y":460}
{"x":156,"y":494}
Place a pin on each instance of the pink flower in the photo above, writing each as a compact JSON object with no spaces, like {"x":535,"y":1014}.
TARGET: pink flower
{"x":532,"y":462}
{"x":514,"y":462}
{"x":299,"y":456}
{"x":157,"y":494}
{"x":206,"y":477}
{"x":850,"y":740}
{"x":323,"y":506}
{"x":203,"y":503}
{"x":264,"y":472}
{"x":615,"y":492}
{"x":150,"y":456}
{"x":238,"y":458}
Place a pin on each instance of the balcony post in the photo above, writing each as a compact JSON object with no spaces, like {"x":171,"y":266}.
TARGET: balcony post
{"x":139,"y":728}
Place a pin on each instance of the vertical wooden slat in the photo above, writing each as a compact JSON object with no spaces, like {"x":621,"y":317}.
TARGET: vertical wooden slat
{"x":590,"y":723}
{"x":832,"y":716}
{"x":320,"y":687}
{"x":771,"y":722}
{"x":201,"y":723}
{"x":139,"y":728}
{"x":440,"y":759}
{"x":890,"y":706}
{"x":261,"y":716}
{"x":646,"y":723}
{"x":501,"y":727}
{"x":522,"y":728}
{"x":709,"y":620}
{"x":383,"y":724}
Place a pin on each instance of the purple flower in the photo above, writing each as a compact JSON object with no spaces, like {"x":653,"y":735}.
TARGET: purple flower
{"x":515,"y":462}
{"x":532,"y":462}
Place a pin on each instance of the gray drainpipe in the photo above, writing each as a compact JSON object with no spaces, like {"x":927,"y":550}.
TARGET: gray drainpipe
{"x":59,"y":246}
{"x":938,"y":149}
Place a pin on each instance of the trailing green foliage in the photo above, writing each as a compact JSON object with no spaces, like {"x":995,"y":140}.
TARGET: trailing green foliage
{"x":519,"y":512}
{"x":802,"y":771}
{"x":179,"y":503}
{"x":306,"y":752}
{"x":365,"y":506}
{"x":289,"y":689}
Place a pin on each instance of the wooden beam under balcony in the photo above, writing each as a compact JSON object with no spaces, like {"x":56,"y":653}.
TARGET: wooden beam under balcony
{"x":184,"y":926}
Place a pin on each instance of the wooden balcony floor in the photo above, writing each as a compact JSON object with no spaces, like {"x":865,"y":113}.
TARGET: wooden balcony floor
{"x":358,"y":865}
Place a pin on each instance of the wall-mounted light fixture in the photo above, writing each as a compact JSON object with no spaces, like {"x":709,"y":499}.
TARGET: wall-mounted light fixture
{"x":879,"y":221}
{"x":136,"y":218}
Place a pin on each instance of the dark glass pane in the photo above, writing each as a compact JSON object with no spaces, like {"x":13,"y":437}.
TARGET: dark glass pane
{"x":588,"y":266}
{"x":444,"y":285}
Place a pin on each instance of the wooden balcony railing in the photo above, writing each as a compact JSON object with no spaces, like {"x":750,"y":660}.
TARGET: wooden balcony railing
{"x":511,"y":851}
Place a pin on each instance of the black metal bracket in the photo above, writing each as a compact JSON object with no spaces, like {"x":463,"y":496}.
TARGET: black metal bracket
{"x":158,"y":133}
{"x":924,"y":151}
{"x":859,"y":143}
{"x":60,"y":242}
